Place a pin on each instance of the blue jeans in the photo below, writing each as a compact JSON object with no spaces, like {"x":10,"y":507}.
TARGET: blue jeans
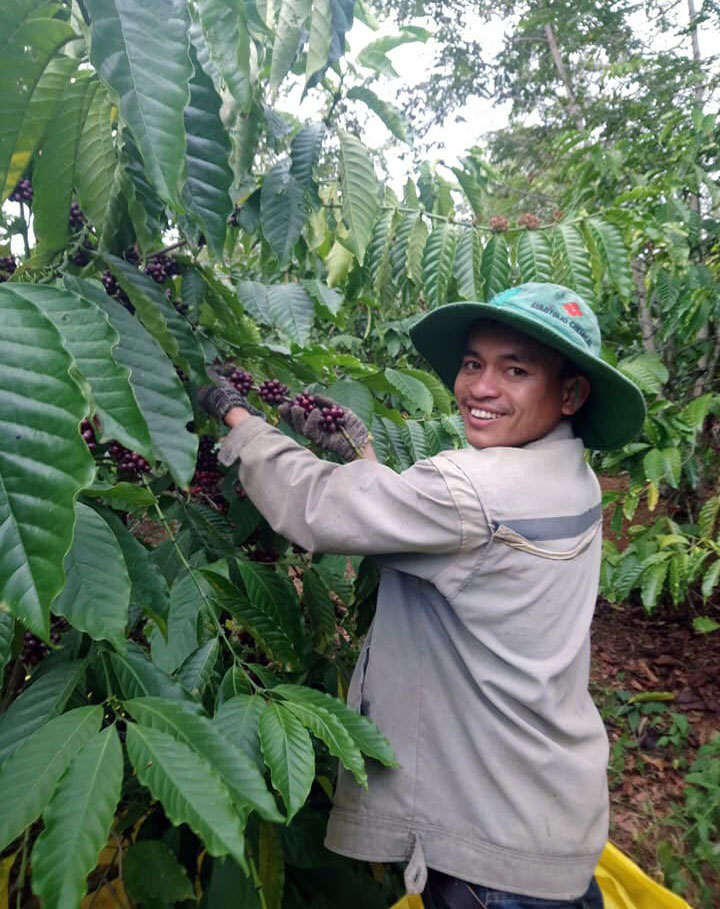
{"x":445,"y":892}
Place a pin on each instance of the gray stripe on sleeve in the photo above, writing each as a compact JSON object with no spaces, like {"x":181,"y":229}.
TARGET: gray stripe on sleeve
{"x":560,"y":528}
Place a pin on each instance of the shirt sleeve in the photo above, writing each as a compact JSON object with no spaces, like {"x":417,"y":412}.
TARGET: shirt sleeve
{"x":358,"y":508}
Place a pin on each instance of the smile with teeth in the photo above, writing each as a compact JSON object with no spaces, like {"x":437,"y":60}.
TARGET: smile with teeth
{"x":481,"y":414}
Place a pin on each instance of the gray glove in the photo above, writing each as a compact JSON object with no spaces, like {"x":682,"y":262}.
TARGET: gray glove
{"x":331,"y":427}
{"x":218,"y":399}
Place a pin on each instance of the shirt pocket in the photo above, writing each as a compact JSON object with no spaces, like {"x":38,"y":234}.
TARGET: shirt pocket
{"x":510,"y":537}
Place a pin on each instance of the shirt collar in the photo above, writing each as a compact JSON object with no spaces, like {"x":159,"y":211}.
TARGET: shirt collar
{"x":560,"y":433}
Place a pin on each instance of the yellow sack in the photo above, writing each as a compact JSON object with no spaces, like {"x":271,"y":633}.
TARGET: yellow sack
{"x":623,"y":886}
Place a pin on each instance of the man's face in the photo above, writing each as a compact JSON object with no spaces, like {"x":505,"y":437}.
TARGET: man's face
{"x":510,"y":389}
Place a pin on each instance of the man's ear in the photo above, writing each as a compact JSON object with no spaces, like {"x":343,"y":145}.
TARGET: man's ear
{"x":576,"y":391}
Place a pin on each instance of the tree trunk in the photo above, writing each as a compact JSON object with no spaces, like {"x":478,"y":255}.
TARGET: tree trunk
{"x":562,"y":72}
{"x":647,"y":326}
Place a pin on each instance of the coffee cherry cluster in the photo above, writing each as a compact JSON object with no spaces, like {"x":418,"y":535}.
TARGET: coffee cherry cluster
{"x":529,"y":220}
{"x":114,"y":290}
{"x":161,"y":267}
{"x":81,"y":255}
{"x":23,"y":192}
{"x":130,"y":465}
{"x":241,"y":380}
{"x":34,"y":649}
{"x":306,"y":401}
{"x":7,"y":266}
{"x":498,"y":223}
{"x":87,"y":430}
{"x":332,"y":418}
{"x":77,"y":217}
{"x":272,"y":391}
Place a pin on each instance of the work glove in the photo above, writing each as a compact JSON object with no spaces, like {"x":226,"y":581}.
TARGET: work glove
{"x":323,"y":421}
{"x":218,"y":399}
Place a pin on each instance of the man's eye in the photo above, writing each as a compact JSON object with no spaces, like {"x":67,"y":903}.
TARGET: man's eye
{"x":471,"y":365}
{"x":517,"y":371}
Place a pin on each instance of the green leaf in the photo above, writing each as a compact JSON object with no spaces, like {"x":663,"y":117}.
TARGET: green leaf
{"x":320,"y":37}
{"x":90,"y":339}
{"x":399,"y":246}
{"x":288,"y":752}
{"x":159,"y":392}
{"x":319,"y":606}
{"x":653,"y":579}
{"x":271,"y":865}
{"x":228,"y":41}
{"x":327,"y":727}
{"x":253,"y":297}
{"x":395,"y":439}
{"x":145,"y":208}
{"x":22,"y":131}
{"x":573,"y":260}
{"x":363,"y":731}
{"x":703,"y":624}
{"x":283,"y":211}
{"x":710,"y":579}
{"x":534,"y":256}
{"x":608,"y":240}
{"x":416,"y":246}
{"x":647,"y":371}
{"x":29,"y":776}
{"x":415,"y":440}
{"x":390,"y":115}
{"x":325,"y":297}
{"x":437,"y":264}
{"x":186,"y":600}
{"x":495,"y":267}
{"x":275,"y":609}
{"x":466,"y":267}
{"x":96,"y":160}
{"x":168,"y":883}
{"x":96,"y":595}
{"x":32,"y":83}
{"x":338,"y":263}
{"x":292,"y":311}
{"x":196,"y":670}
{"x":305,"y":151}
{"x":414,"y":393}
{"x":236,"y":770}
{"x":663,"y":464}
{"x":360,"y":191}
{"x":373,"y":55}
{"x":140,"y":51}
{"x":237,"y":719}
{"x":708,"y":516}
{"x":354,"y":395}
{"x":7,"y":632}
{"x":209,"y":175}
{"x":44,"y":462}
{"x":44,"y":698}
{"x":77,"y":821}
{"x":53,"y":175}
{"x":442,"y":399}
{"x":291,"y":20}
{"x":190,"y":792}
{"x":138,"y":676}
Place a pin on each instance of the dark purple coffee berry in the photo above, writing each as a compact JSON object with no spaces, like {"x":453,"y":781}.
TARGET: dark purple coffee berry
{"x":272,"y":391}
{"x":23,"y":192}
{"x":87,"y":431}
{"x":306,"y":401}
{"x":241,"y":380}
{"x":110,"y":283}
{"x":77,"y":217}
{"x":332,"y":418}
{"x":130,"y":465}
{"x":207,"y":454}
{"x":33,"y":649}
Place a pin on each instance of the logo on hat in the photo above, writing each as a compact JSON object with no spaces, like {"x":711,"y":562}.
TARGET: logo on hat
{"x":572,"y":309}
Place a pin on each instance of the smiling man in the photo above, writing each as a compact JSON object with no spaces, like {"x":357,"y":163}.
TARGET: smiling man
{"x":476,"y":665}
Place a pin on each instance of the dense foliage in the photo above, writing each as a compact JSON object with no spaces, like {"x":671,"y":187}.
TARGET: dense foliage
{"x":174,"y":671}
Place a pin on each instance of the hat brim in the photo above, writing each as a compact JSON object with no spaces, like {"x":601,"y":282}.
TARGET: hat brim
{"x":612,"y":415}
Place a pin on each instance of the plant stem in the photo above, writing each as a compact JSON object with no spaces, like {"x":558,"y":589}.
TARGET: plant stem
{"x":20,"y":884}
{"x":24,"y":230}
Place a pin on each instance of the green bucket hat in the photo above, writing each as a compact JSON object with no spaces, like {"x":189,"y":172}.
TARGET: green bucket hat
{"x":559,"y":318}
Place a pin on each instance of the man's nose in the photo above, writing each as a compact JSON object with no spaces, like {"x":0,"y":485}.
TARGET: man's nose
{"x":485,"y":384}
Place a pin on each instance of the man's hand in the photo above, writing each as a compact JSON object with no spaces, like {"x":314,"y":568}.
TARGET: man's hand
{"x":219,"y":399}
{"x":331,"y":427}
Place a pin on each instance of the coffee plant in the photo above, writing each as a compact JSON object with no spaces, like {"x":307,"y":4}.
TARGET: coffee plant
{"x":173,"y":671}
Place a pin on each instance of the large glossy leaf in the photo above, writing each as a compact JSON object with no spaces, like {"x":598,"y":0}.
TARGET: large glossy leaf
{"x":29,"y":776}
{"x":414,"y":393}
{"x":138,"y":676}
{"x":573,"y":260}
{"x":19,"y":139}
{"x":190,"y":792}
{"x":283,"y":211}
{"x":145,"y":207}
{"x":196,"y":670}
{"x":159,"y":392}
{"x":416,"y":245}
{"x":292,"y":17}
{"x":320,"y":608}
{"x":44,"y":461}
{"x":320,"y":37}
{"x":288,"y":752}
{"x":534,"y":256}
{"x":272,"y":594}
{"x":228,"y":42}
{"x":27,"y":46}
{"x":327,"y":727}
{"x":466,"y":267}
{"x":291,"y":310}
{"x":437,"y":263}
{"x":237,"y":771}
{"x":96,"y":160}
{"x":7,"y":632}
{"x":614,"y":260}
{"x":54,"y":173}
{"x":167,"y":885}
{"x":399,"y":247}
{"x":140,"y":51}
{"x":44,"y":698}
{"x":237,"y":719}
{"x":305,"y":151}
{"x":96,"y":595}
{"x":186,"y":600}
{"x":77,"y":822}
{"x":390,"y":115}
{"x":90,"y":339}
{"x":495,"y":266}
{"x":366,"y":735}
{"x":209,"y":175}
{"x":360,"y":192}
